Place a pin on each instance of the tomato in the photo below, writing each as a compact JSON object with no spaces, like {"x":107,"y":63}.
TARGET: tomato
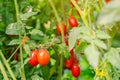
{"x":73,"y":21}
{"x":69,"y":63}
{"x":43,"y":57}
{"x":66,"y":39}
{"x":63,"y":27}
{"x":107,"y":1}
{"x":33,"y":59}
{"x":75,"y":70}
{"x":73,"y":4}
{"x":72,"y":52}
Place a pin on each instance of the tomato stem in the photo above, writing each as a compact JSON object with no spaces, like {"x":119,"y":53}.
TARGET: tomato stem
{"x":21,"y":56}
{"x":58,"y":19}
{"x":7,"y":65}
{"x":81,"y":12}
{"x":13,"y":53}
{"x":17,"y":9}
{"x":3,"y":71}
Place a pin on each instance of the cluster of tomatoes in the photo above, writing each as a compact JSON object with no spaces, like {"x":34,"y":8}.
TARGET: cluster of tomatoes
{"x":72,"y":63}
{"x":40,"y":56}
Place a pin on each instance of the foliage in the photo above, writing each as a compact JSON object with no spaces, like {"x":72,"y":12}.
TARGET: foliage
{"x":27,"y":25}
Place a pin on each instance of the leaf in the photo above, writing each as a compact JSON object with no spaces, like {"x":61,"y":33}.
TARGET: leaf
{"x":92,"y":55}
{"x":111,"y":13}
{"x":73,"y":35}
{"x":13,"y":29}
{"x":81,"y":47}
{"x":36,"y":77}
{"x":113,"y":57}
{"x":27,"y":15}
{"x":100,"y":43}
{"x":52,"y":61}
{"x":15,"y":42}
{"x":102,"y":35}
{"x":36,"y":32}
{"x":27,"y":49}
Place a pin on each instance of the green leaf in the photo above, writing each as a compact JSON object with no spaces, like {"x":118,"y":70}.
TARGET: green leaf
{"x":53,"y":61}
{"x":15,"y":29}
{"x":15,"y":42}
{"x":102,"y":35}
{"x":113,"y":57}
{"x":27,"y":49}
{"x":92,"y":55}
{"x":36,"y":32}
{"x":36,"y":77}
{"x":73,"y":36}
{"x":27,"y":15}
{"x":81,"y":47}
{"x":100,"y":43}
{"x":111,"y":13}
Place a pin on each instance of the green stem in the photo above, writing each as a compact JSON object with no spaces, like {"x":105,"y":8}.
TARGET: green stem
{"x":108,"y":40}
{"x":58,"y":19}
{"x":21,"y":56}
{"x":61,"y":66}
{"x":17,"y":9}
{"x":3,"y":71}
{"x":22,"y":68}
{"x":7,"y":65}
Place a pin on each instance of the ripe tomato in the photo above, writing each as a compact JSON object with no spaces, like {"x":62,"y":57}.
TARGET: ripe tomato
{"x":33,"y":59}
{"x":66,"y":39}
{"x":73,"y":4}
{"x":107,"y":1}
{"x":63,"y":27}
{"x":73,"y":21}
{"x":43,"y":57}
{"x":75,"y":70}
{"x":69,"y":63}
{"x":72,"y":52}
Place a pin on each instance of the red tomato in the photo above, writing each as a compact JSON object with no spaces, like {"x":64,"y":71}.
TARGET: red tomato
{"x":66,"y":39}
{"x":43,"y":57}
{"x":73,"y":4}
{"x":72,"y":52}
{"x":69,"y":63}
{"x":73,"y":21}
{"x":64,"y":29}
{"x":74,"y":59}
{"x":75,"y":70}
{"x":33,"y":59}
{"x":107,"y":1}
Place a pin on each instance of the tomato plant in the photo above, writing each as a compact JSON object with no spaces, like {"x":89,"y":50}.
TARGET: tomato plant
{"x":59,"y":40}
